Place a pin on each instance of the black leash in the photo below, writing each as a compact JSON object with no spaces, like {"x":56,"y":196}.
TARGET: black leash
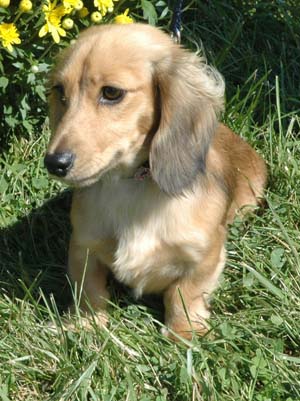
{"x":176,"y":21}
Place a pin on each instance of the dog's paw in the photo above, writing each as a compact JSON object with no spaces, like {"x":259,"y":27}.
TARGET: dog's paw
{"x":186,"y":330}
{"x":88,"y":321}
{"x":76,"y":323}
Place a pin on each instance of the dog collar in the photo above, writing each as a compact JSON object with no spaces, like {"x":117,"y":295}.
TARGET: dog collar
{"x":143,"y":172}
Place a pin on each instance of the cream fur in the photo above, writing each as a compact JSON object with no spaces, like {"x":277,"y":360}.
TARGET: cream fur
{"x":164,"y":234}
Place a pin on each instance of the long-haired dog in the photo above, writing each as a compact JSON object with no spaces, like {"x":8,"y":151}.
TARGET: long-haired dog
{"x":157,"y":178}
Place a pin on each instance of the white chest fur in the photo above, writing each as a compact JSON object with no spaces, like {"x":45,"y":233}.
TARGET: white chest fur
{"x":156,"y":237}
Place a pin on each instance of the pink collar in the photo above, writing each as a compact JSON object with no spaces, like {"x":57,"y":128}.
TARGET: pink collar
{"x":142,"y":172}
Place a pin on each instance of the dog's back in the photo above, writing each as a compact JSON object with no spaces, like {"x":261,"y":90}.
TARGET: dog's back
{"x":240,"y":168}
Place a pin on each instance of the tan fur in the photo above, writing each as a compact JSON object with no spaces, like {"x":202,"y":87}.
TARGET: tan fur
{"x":164,"y":234}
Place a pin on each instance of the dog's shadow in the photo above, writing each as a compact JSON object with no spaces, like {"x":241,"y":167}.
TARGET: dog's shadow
{"x":33,"y":253}
{"x":33,"y":259}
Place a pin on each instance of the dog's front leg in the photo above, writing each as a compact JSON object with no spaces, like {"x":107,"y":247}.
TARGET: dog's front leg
{"x":186,"y":300}
{"x":90,"y":277}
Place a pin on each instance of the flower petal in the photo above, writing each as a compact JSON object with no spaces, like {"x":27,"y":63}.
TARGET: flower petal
{"x":43,"y":31}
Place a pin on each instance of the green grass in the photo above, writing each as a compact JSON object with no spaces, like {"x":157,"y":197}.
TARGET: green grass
{"x":253,"y":349}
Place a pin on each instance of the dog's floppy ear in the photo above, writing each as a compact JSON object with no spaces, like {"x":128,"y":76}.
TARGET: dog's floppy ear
{"x":191,"y":97}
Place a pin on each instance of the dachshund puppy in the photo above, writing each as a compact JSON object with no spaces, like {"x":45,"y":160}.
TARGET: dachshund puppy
{"x":135,"y":131}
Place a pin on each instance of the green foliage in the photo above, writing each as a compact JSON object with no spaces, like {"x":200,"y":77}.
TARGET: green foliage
{"x":23,"y":70}
{"x":251,"y":41}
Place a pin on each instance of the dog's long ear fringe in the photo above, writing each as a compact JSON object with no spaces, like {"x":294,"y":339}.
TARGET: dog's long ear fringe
{"x":191,"y":97}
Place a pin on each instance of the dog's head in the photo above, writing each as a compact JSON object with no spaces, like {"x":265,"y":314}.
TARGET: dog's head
{"x":123,"y":94}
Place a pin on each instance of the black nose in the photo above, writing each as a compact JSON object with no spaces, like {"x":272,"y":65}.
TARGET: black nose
{"x":59,"y":163}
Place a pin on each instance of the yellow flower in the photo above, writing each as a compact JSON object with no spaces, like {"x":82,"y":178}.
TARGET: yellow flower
{"x":68,"y":23}
{"x":123,"y":18}
{"x":34,"y":69}
{"x":4,"y":3}
{"x":9,"y":35}
{"x":25,"y":6}
{"x":73,"y":4}
{"x":104,"y":6}
{"x":53,"y":16}
{"x":96,"y":17}
{"x":83,"y":12}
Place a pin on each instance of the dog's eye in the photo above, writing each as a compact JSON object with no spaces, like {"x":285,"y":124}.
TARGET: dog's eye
{"x":111,"y":95}
{"x":60,"y":90}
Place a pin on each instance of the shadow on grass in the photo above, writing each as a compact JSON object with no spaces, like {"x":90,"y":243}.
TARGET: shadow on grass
{"x":34,"y":253}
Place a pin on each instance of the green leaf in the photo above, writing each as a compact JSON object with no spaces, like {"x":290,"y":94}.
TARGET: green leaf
{"x":289,"y":358}
{"x":276,"y":320}
{"x":4,"y":392}
{"x":82,"y":381}
{"x":11,"y":121}
{"x":30,"y":78}
{"x":17,"y":168}
{"x":40,"y":183}
{"x":149,"y":12}
{"x":40,"y":90}
{"x":160,"y":398}
{"x":253,"y":370}
{"x":184,"y":376}
{"x":259,"y":360}
{"x":3,"y":185}
{"x":222,"y":374}
{"x":43,"y":67}
{"x":164,"y":13}
{"x":3,"y":82}
{"x":266,"y":283}
{"x":7,"y":109}
{"x":277,"y":257}
{"x":227,"y":330}
{"x":248,"y":280}
{"x":18,"y":65}
{"x":26,"y":124}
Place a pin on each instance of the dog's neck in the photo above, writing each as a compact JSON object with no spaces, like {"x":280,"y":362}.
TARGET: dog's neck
{"x":140,"y":172}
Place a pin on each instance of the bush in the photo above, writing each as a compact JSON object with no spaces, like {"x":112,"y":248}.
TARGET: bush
{"x":31,"y":34}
